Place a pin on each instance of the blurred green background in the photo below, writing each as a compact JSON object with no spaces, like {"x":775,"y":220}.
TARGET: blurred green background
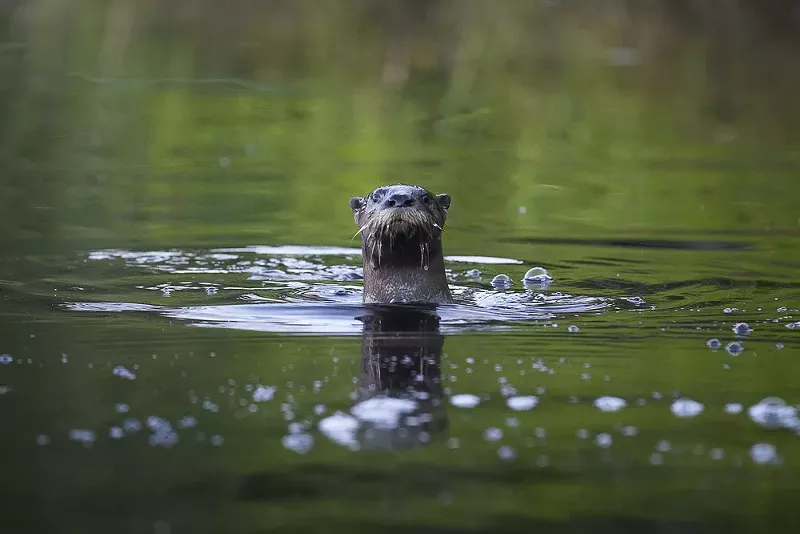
{"x":186,"y":124}
{"x":200,"y":123}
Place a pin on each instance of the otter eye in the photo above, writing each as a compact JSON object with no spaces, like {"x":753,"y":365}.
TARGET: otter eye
{"x":426,"y":199}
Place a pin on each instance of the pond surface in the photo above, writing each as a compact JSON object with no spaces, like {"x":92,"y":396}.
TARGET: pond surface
{"x":183,"y":346}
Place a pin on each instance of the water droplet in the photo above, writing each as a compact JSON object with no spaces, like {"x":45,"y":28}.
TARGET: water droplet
{"x":733,"y":408}
{"x":773,"y":412}
{"x":492,"y":434}
{"x":734,"y":348}
{"x":264,"y":393}
{"x":603,"y":440}
{"x":537,"y":275}
{"x":122,"y":372}
{"x":763,"y":453}
{"x":742,"y":329}
{"x":501,"y":281}
{"x":506,"y":453}
{"x":465,"y":400}
{"x":713,"y":343}
{"x":522,"y":403}
{"x":686,"y":408}
{"x":299,"y":443}
{"x":609,"y":404}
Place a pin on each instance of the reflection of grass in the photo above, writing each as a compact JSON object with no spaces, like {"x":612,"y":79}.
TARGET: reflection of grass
{"x":502,"y":106}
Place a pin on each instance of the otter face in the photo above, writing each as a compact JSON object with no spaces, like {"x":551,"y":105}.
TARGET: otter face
{"x":400,"y":218}
{"x":400,"y":209}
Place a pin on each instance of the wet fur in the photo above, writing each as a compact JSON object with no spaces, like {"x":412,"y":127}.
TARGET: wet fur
{"x":402,"y":247}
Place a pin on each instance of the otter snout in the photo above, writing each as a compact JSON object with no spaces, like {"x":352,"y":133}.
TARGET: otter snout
{"x":399,"y":200}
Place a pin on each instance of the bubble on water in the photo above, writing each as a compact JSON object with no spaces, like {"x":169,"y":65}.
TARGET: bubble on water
{"x":299,"y":443}
{"x":629,"y":430}
{"x":116,"y":432}
{"x":320,"y":409}
{"x":211,"y":291}
{"x":716,"y":454}
{"x":734,"y":348}
{"x":522,"y":403}
{"x":42,"y":439}
{"x":224,"y":162}
{"x":793,"y":325}
{"x":340,"y":428}
{"x":163,"y":434}
{"x":454,"y":443}
{"x":603,"y":440}
{"x":512,"y":422}
{"x":522,"y":210}
{"x":540,"y":433}
{"x":685,"y":407}
{"x":586,"y":376}
{"x":501,"y":281}
{"x":506,"y":453}
{"x":638,"y":301}
{"x":742,"y":329}
{"x":264,"y":393}
{"x":773,"y":412}
{"x":656,"y":459}
{"x":609,"y":404}
{"x":492,"y":434}
{"x":764,"y":453}
{"x":465,"y":400}
{"x":82,"y":435}
{"x":187,"y":421}
{"x":582,"y":433}
{"x":733,"y":408}
{"x":573,"y":329}
{"x":131,"y":426}
{"x":779,"y":346}
{"x":713,"y":343}
{"x":121,"y":407}
{"x":729,"y":310}
{"x":537,"y":275}
{"x":122,"y":372}
{"x":384,"y":412}
{"x":663,"y":446}
{"x":217,"y":440}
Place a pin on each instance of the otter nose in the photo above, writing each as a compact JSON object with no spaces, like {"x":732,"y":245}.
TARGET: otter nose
{"x":399,"y":200}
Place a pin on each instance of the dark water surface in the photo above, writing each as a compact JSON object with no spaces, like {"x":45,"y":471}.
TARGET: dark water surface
{"x":183,"y":346}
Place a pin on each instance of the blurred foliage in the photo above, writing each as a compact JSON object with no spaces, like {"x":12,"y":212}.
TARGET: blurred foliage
{"x":196,"y":122}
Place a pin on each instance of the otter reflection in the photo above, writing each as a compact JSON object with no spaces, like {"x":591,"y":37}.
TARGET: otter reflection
{"x":399,"y":402}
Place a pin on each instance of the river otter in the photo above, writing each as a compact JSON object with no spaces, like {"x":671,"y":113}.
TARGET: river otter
{"x":401,"y":233}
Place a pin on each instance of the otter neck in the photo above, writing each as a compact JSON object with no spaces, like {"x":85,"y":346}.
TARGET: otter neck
{"x":404,"y":271}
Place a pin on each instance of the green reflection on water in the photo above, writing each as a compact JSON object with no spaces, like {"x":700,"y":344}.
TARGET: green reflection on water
{"x":148,"y":126}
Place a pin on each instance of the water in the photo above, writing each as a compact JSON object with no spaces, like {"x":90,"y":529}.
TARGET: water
{"x":183,"y":346}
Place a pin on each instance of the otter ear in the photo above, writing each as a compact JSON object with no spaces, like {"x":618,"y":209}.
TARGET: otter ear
{"x":444,"y":200}
{"x":356,"y":203}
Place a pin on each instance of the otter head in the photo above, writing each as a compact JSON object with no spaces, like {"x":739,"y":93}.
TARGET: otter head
{"x":401,"y":232}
